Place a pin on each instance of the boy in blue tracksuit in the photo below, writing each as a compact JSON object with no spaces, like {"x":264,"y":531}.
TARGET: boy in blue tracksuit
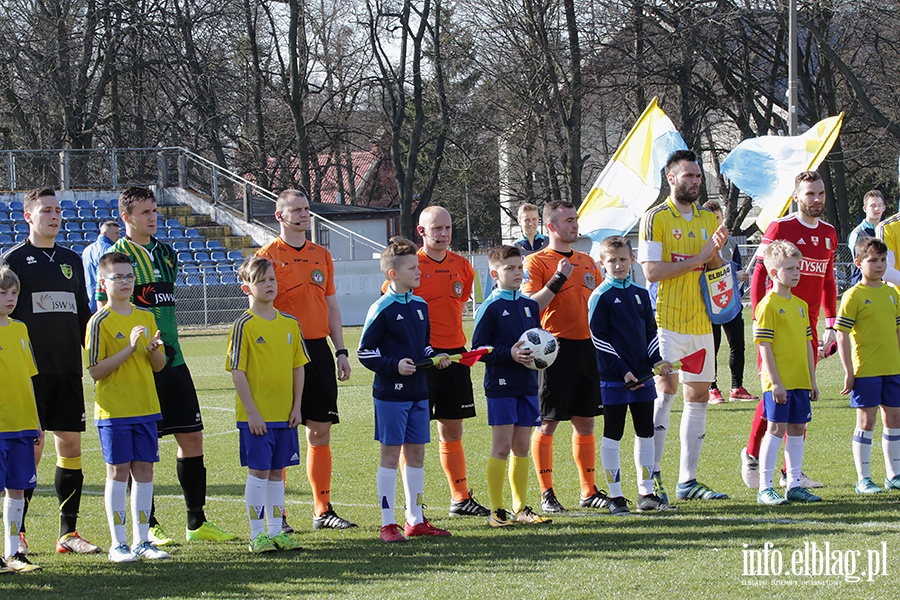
{"x":395,"y":336}
{"x":511,"y":387}
{"x":623,"y":330}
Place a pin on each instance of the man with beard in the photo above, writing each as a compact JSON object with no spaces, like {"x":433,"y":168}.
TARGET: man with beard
{"x":678,"y":241}
{"x":817,"y":241}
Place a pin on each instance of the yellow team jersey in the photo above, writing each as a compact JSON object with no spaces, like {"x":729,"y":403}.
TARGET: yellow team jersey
{"x":128,"y":394}
{"x":268,"y":352}
{"x":668,"y":237}
{"x":888,"y":231}
{"x":784,"y":323}
{"x":18,"y":410}
{"x":872,"y":317}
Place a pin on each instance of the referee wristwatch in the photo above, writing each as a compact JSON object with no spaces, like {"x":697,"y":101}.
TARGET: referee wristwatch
{"x":341,"y":352}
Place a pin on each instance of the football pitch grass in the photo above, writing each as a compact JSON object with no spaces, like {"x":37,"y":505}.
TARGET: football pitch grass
{"x":701,"y":551}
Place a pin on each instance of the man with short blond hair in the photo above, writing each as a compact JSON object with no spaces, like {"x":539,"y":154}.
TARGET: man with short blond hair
{"x":531,"y":240}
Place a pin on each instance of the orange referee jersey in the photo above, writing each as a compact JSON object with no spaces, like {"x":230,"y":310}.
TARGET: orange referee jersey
{"x":305,"y":278}
{"x":567,"y":314}
{"x":446,"y":286}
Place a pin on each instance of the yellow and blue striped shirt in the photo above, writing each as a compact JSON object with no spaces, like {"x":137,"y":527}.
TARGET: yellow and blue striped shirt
{"x":784,"y":323}
{"x":872,"y":317}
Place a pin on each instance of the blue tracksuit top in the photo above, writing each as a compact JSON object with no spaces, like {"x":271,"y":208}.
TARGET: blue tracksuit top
{"x":499,"y":322}
{"x":396,"y":328}
{"x":623,"y":329}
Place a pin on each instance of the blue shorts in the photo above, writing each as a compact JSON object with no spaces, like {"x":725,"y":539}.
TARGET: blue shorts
{"x":405,"y":422}
{"x":277,"y":448}
{"x":615,"y":392}
{"x":521,"y":411}
{"x":796,"y":410}
{"x":123,"y":443}
{"x":869,"y":392}
{"x":18,"y":470}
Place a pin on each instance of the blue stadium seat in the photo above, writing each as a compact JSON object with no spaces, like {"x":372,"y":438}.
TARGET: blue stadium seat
{"x":4,"y":216}
{"x":21,"y":228}
{"x":236,"y":255}
{"x":178,"y":246}
{"x":85,"y":213}
{"x":214,"y":245}
{"x":193,"y":280}
{"x":185,"y":257}
{"x":83,"y":204}
{"x":176,"y":234}
{"x":170,"y":223}
{"x":3,"y":205}
{"x":69,"y":214}
{"x":224,"y":268}
{"x":217,"y":256}
{"x":192,"y":233}
{"x":228,"y":278}
{"x":100,"y":203}
{"x":179,"y":280}
{"x":78,"y":248}
{"x":21,"y":237}
{"x":74,"y":236}
{"x":196,"y":245}
{"x":201,"y":257}
{"x":16,"y":205}
{"x":6,"y":228}
{"x":114,"y":213}
{"x":102,"y":213}
{"x":67,"y":205}
{"x":161,"y":234}
{"x":90,"y":226}
{"x":6,"y":238}
{"x":190,"y":269}
{"x":73,"y":226}
{"x":16,"y":215}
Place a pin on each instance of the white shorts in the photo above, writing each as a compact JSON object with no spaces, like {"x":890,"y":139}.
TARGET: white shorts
{"x":675,"y":346}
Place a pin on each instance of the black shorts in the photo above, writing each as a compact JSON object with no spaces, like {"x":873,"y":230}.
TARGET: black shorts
{"x":178,"y":401}
{"x":450,"y":390}
{"x":570,"y":387}
{"x":320,"y":392}
{"x":60,"y":401}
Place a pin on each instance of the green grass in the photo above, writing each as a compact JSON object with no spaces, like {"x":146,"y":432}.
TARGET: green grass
{"x":696,"y":552}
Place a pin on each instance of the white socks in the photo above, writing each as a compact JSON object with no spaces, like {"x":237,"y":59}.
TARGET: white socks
{"x":643,"y":463}
{"x":414,"y":486}
{"x":768,"y":456}
{"x":609,"y":458}
{"x":12,"y":521}
{"x":141,"y":503}
{"x":114,"y":501}
{"x":862,"y":453}
{"x":793,"y":458}
{"x":662,"y":409}
{"x":274,"y":505}
{"x":255,"y":498}
{"x":387,"y":494}
{"x":693,"y":430}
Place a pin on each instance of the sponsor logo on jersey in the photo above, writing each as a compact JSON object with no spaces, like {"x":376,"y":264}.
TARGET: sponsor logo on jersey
{"x":156,"y":294}
{"x":676,"y":233}
{"x":317,"y":277}
{"x":30,"y":260}
{"x":589,"y":281}
{"x":457,"y":288}
{"x":260,"y":340}
{"x":801,"y":242}
{"x":780,"y":311}
{"x":691,"y":234}
{"x":119,"y":336}
{"x":813,"y":266}
{"x":399,"y":317}
{"x":505,"y":313}
{"x":66,"y":271}
{"x":867,"y":301}
{"x":53,"y":302}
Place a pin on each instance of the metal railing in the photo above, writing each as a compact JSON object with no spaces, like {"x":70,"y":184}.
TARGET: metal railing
{"x":104,"y":168}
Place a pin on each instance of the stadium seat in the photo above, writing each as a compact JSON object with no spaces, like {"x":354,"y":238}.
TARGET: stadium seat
{"x":190,"y":269}
{"x":193,"y":280}
{"x":21,"y":237}
{"x":73,"y":226}
{"x":6,"y":228}
{"x":101,"y":213}
{"x":100,"y":203}
{"x":80,"y":204}
{"x":16,"y":205}
{"x":185,"y":258}
{"x":228,"y":278}
{"x":179,"y":280}
{"x":176,"y":234}
{"x":67,"y":205}
{"x":191,"y":233}
{"x":78,"y":248}
{"x":90,"y":226}
{"x":236,"y":255}
{"x":16,"y":215}
{"x":21,"y":228}
{"x":6,"y":238}
{"x":224,"y":268}
{"x":196,"y":245}
{"x":201,"y":257}
{"x":114,"y":213}
{"x":69,"y":214}
{"x":214,"y":245}
{"x":170,"y":223}
{"x":178,"y":246}
{"x":3,"y":205}
{"x":161,"y":234}
{"x":4,"y":216}
{"x":85,"y":213}
{"x":74,"y":236}
{"x":217,"y":256}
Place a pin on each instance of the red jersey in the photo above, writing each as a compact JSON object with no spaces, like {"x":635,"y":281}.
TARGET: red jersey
{"x":817,"y":245}
{"x":446,"y":286}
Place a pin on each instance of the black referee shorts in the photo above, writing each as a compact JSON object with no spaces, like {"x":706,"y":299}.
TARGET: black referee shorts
{"x":320,"y":391}
{"x":178,"y":401}
{"x":450,"y":389}
{"x":570,"y":387}
{"x":60,"y":401}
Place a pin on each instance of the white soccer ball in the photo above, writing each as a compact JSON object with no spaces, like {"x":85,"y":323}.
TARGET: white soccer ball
{"x":543,"y":347}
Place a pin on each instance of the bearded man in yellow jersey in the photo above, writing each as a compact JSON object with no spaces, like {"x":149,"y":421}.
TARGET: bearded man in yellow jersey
{"x":561,"y":280}
{"x":678,"y":241}
{"x":306,"y":291}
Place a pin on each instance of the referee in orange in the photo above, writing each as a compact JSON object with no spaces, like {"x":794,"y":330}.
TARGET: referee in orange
{"x":446,"y":286}
{"x":561,"y":280}
{"x":305,"y":274}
